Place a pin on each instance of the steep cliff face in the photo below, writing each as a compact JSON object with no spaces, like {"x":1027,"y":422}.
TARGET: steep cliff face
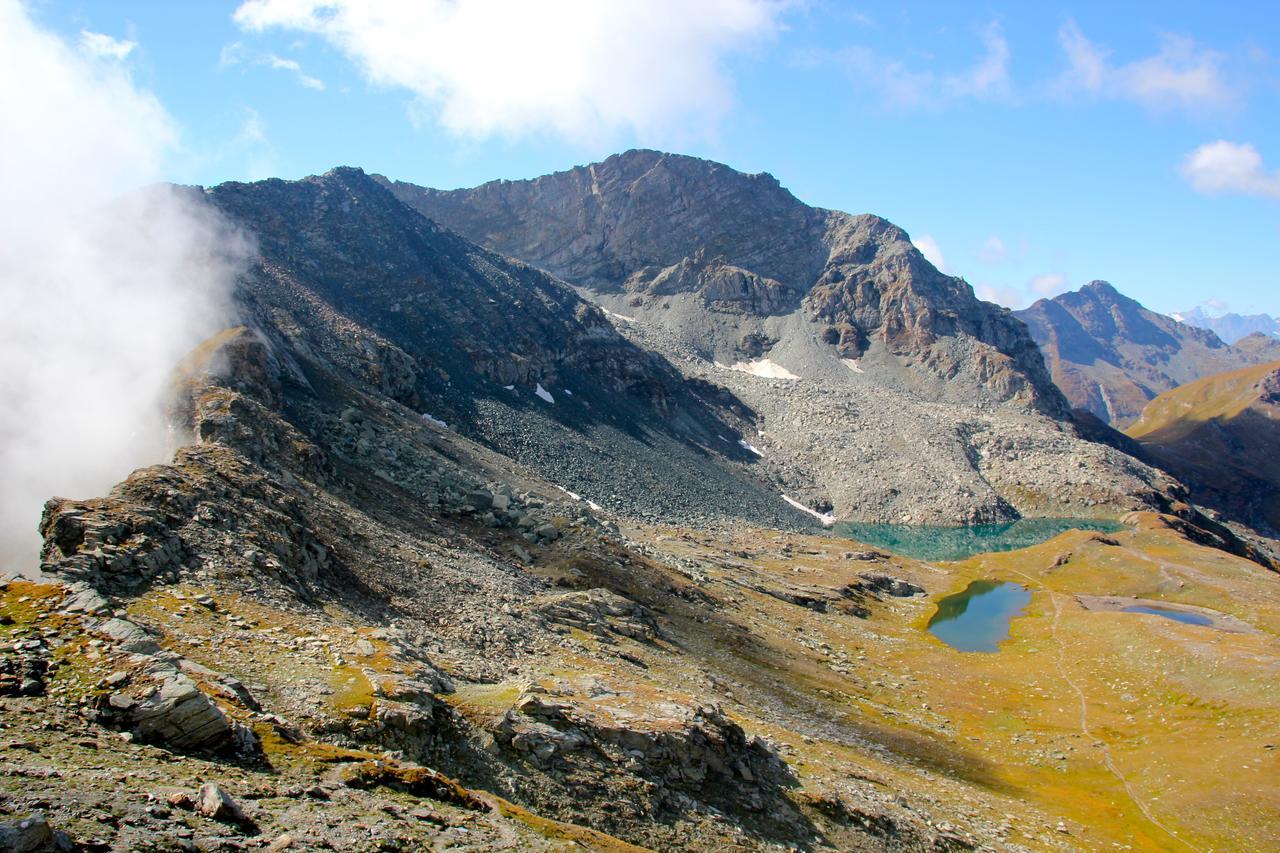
{"x":651,"y":225}
{"x":1110,"y":355}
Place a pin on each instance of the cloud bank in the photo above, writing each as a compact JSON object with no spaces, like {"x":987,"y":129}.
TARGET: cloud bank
{"x":578,"y":69}
{"x":104,"y":286}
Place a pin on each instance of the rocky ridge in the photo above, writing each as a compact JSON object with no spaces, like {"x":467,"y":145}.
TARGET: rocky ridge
{"x":880,"y":389}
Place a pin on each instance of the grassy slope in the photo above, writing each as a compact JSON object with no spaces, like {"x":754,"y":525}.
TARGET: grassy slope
{"x":1175,"y":414}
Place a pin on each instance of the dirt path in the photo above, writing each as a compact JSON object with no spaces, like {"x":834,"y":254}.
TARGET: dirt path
{"x":1064,"y":672}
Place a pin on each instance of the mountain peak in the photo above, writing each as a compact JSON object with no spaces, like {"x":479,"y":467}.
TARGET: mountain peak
{"x":1110,"y":355}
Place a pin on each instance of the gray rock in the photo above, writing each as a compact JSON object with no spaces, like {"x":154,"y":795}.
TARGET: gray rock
{"x":27,"y":835}
{"x":215,"y":803}
{"x":178,"y":715}
{"x":129,"y":636}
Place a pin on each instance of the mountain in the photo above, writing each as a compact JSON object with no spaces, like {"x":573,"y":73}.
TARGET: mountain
{"x":446,"y":557}
{"x":1110,"y":355}
{"x":1221,"y":436}
{"x":882,"y":390}
{"x":1230,"y":327}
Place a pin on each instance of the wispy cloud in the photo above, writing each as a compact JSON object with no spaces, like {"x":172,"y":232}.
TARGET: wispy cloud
{"x":932,"y":251}
{"x":1010,"y":297}
{"x":1049,"y":284}
{"x":102,"y":46}
{"x":1180,"y":75}
{"x":580,"y":71}
{"x":993,"y":251}
{"x":236,"y":53}
{"x":1228,"y":167}
{"x":903,"y":87}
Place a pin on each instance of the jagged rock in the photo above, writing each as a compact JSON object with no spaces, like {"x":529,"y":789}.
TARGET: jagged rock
{"x":175,"y":714}
{"x":600,"y":611}
{"x":412,"y":779}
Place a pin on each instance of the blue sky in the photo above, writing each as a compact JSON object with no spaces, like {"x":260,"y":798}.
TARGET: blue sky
{"x":1035,"y":146}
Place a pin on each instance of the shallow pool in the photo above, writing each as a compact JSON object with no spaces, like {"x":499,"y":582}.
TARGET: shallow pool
{"x":1170,"y":613}
{"x":977,"y":619}
{"x":930,"y":543}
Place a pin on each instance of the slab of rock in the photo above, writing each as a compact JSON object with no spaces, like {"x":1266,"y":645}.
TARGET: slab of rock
{"x":177,"y":714}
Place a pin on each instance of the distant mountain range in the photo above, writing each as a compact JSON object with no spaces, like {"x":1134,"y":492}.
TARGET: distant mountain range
{"x":1111,"y":356}
{"x":1230,"y":327}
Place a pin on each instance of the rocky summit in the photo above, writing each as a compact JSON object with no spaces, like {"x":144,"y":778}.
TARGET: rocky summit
{"x":878,"y":388}
{"x":1111,"y":356}
{"x":499,"y":522}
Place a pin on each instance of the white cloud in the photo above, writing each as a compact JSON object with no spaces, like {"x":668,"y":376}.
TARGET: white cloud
{"x":902,"y":87}
{"x":1180,"y":75}
{"x":1007,"y":296}
{"x":1227,"y":167}
{"x":104,"y":287}
{"x":932,"y":251}
{"x":1049,"y":284}
{"x":236,"y":52}
{"x":101,"y":46}
{"x":580,"y":69}
{"x":993,"y":251}
{"x":281,"y":64}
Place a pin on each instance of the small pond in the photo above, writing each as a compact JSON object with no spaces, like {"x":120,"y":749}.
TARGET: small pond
{"x":1169,"y":613}
{"x":977,"y":619}
{"x":933,"y":544}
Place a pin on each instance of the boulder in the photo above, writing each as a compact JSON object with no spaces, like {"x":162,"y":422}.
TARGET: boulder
{"x":26,"y":835}
{"x":215,"y":803}
{"x":178,"y":715}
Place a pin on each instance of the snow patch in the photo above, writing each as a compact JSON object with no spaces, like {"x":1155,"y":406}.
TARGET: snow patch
{"x":434,"y":421}
{"x":544,"y":393}
{"x":827,"y":519}
{"x":749,"y":446}
{"x":567,"y":391}
{"x":852,"y":364}
{"x":1179,"y":318}
{"x":760,"y":367}
{"x":508,"y":387}
{"x":623,"y":317}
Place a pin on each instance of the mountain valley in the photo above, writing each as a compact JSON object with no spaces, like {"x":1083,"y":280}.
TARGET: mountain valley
{"x":503,"y":521}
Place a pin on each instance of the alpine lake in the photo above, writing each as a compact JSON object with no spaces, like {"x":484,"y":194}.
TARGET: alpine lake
{"x":977,"y":618}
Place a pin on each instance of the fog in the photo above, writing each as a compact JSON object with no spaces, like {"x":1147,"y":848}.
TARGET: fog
{"x":106,"y":278}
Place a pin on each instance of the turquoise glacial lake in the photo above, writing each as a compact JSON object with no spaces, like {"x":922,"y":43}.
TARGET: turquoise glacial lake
{"x":934,"y":544}
{"x":977,"y":619}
